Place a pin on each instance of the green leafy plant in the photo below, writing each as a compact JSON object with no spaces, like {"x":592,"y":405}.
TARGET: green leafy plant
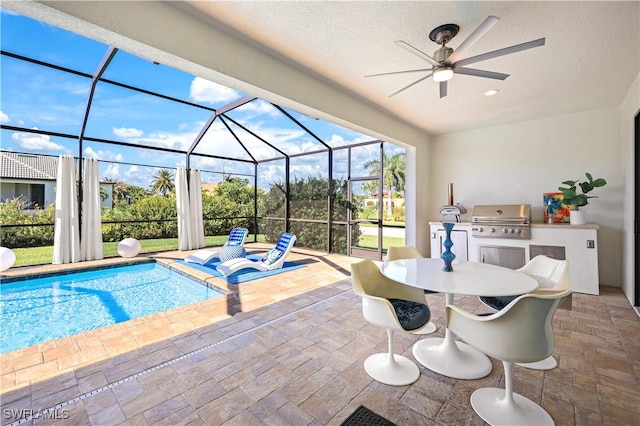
{"x":571,"y":196}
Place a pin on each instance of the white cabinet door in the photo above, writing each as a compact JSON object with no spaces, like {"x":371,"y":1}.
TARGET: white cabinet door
{"x":459,"y":239}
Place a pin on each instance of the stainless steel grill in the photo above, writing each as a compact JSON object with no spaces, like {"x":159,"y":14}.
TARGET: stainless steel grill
{"x":502,"y":221}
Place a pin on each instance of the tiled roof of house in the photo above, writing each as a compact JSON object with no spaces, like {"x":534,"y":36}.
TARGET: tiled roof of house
{"x":27,"y":166}
{"x":209,"y":186}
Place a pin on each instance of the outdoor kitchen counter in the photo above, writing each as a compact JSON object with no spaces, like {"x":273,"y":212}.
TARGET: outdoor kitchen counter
{"x":578,"y":244}
{"x":537,"y":225}
{"x":564,"y":225}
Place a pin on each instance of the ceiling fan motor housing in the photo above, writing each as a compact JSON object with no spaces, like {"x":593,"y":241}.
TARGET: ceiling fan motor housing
{"x":442,"y":54}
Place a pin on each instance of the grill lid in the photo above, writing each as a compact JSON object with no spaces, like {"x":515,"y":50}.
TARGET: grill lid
{"x":502,"y":213}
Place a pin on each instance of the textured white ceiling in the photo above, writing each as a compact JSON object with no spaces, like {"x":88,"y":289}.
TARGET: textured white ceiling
{"x":589,"y":61}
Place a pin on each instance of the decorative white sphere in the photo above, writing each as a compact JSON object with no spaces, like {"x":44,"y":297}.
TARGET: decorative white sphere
{"x":7,"y":258}
{"x":129,"y":247}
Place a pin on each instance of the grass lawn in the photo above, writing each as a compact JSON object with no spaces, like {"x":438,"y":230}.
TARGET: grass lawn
{"x":43,"y":255}
{"x":384,"y":223}
{"x":371,"y":241}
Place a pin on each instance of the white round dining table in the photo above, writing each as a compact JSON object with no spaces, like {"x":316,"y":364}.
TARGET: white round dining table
{"x":446,"y":356}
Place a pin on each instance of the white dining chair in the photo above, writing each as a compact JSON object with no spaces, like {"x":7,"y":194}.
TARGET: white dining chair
{"x":552,"y":276}
{"x":410,"y":252}
{"x":395,"y":307}
{"x":521,"y":332}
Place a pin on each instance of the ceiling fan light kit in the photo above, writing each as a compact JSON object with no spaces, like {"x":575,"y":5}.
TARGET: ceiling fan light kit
{"x":443,"y":73}
{"x":446,"y":62}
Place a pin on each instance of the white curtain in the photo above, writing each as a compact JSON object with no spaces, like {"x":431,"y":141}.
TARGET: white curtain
{"x":182,"y":204}
{"x":189,"y":206}
{"x":195,"y":201}
{"x":66,"y":242}
{"x":91,"y":235}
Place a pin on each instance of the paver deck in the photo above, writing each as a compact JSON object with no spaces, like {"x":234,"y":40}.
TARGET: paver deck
{"x":289,"y":350}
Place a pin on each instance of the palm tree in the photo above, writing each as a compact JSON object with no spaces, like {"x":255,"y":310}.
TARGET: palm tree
{"x":162,"y":182}
{"x":394,"y":173}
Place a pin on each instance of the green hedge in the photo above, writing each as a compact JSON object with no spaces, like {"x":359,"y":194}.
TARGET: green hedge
{"x":229,"y":205}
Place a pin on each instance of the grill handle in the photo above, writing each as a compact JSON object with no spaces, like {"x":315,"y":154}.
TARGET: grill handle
{"x":498,"y":221}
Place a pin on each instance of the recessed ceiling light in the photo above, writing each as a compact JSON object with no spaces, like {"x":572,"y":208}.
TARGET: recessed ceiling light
{"x":491,"y":92}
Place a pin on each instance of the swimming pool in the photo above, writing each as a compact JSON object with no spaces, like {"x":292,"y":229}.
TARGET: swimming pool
{"x":37,"y":310}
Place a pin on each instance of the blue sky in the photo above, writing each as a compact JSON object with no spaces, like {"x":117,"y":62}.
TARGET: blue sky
{"x":37,"y":97}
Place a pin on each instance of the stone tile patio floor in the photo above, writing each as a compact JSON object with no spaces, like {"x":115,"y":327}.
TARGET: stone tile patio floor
{"x":289,"y":350}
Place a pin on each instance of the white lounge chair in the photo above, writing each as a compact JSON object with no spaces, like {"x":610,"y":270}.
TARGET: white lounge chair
{"x":237,"y":236}
{"x":273,"y":260}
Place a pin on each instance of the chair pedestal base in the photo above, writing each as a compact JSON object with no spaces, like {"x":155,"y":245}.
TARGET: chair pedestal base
{"x":398,"y":371}
{"x":492,"y":406}
{"x":548,"y":363}
{"x":451,"y":358}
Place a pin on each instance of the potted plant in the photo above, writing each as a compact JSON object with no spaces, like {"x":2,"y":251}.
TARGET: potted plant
{"x":575,"y":200}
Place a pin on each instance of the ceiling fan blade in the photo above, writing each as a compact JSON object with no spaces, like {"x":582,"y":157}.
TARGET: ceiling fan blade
{"x":443,"y":89}
{"x":480,"y":73}
{"x":417,"y":52}
{"x":473,"y":38}
{"x":501,"y":52}
{"x":412,"y":84}
{"x":398,"y":72}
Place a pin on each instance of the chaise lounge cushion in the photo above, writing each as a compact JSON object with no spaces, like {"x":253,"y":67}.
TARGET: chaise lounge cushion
{"x":237,"y":237}
{"x":273,"y":260}
{"x":271,"y":257}
{"x":201,"y":257}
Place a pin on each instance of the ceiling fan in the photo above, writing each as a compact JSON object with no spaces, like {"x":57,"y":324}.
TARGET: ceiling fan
{"x":446,"y":62}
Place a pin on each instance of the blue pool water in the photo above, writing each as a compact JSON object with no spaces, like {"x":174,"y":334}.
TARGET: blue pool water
{"x":38,"y":310}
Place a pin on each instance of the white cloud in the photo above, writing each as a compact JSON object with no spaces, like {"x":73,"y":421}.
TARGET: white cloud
{"x":139,"y":176}
{"x":35,"y":142}
{"x":132,"y":172}
{"x":112,"y":171}
{"x":336,"y":140}
{"x":168,"y":140}
{"x":4,"y":118}
{"x":259,"y":107}
{"x":303,"y":171}
{"x":270,"y":173}
{"x":206,"y":91}
{"x":74,"y":88}
{"x":103,"y":155}
{"x":125,"y":133}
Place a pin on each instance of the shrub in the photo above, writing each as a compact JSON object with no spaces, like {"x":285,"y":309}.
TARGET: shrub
{"x":308,"y":199}
{"x":40,"y":233}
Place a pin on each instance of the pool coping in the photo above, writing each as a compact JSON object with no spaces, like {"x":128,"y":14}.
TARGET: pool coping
{"x":9,"y":279}
{"x":87,"y":268}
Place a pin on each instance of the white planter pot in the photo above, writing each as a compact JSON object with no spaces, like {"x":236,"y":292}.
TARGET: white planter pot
{"x":577,"y":217}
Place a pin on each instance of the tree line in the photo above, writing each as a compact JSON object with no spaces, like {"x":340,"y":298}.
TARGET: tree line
{"x":144,"y":214}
